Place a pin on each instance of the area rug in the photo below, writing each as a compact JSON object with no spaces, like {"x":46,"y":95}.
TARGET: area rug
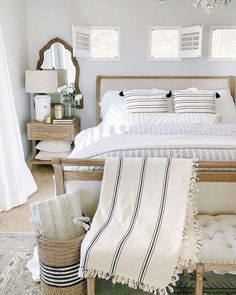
{"x":15,"y":279}
{"x":15,"y":251}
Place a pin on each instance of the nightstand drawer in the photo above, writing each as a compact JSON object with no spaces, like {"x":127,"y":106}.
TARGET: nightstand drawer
{"x":47,"y":135}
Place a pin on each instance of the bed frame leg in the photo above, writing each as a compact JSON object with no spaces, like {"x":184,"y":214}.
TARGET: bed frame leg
{"x":91,"y":286}
{"x":199,"y":279}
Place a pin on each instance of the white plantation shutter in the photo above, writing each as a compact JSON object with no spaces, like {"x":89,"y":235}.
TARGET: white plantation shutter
{"x":190,"y":45}
{"x":81,"y":41}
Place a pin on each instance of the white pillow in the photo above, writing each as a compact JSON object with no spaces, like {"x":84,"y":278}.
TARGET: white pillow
{"x":224,"y":104}
{"x":46,"y":156}
{"x":54,"y":146}
{"x":226,"y":107}
{"x":53,"y":219}
{"x":194,"y":102}
{"x":114,"y":117}
{"x":224,"y":92}
{"x":113,"y":107}
{"x":156,"y":90}
{"x":167,"y":119}
{"x":145,"y":101}
{"x":111,"y":99}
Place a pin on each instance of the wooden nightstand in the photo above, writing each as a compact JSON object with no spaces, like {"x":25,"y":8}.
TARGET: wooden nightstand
{"x":37,"y":131}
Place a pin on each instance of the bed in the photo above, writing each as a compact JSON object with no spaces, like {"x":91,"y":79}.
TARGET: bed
{"x":216,"y":164}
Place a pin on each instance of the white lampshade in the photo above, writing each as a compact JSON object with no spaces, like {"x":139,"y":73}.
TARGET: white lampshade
{"x":45,"y":81}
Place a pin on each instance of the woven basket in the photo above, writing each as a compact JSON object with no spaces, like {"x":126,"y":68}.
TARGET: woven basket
{"x":59,"y":263}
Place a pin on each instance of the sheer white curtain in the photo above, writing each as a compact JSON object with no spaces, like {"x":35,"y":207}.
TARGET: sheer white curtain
{"x":16,"y":181}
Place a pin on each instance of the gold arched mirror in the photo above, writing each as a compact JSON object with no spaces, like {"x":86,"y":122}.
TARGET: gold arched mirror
{"x":57,"y":54}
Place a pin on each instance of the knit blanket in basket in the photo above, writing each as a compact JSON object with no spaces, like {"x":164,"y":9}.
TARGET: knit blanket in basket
{"x":144,"y":228}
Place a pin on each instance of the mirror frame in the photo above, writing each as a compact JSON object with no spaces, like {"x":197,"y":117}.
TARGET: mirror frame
{"x":73,"y":59}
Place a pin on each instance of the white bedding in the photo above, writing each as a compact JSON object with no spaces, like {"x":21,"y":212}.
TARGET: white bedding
{"x":99,"y":142}
{"x":200,"y":141}
{"x":142,"y":142}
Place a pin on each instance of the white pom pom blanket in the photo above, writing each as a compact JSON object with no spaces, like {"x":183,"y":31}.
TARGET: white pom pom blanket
{"x":144,"y":228}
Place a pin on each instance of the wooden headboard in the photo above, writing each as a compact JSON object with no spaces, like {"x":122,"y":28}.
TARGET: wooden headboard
{"x":105,"y":83}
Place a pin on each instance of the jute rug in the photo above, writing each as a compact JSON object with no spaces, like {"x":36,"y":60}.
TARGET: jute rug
{"x":15,"y":279}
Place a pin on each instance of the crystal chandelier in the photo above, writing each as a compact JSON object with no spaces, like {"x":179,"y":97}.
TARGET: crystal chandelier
{"x":208,"y":6}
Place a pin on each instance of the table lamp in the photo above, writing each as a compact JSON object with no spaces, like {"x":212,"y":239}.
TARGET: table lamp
{"x":41,"y":83}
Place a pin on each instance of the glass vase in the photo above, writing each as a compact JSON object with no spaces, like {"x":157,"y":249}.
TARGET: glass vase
{"x":70,"y":108}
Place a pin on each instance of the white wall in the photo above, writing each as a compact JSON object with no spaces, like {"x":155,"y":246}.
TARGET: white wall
{"x":13,"y":24}
{"x":47,"y":19}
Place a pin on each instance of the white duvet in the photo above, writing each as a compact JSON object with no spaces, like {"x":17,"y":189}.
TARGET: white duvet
{"x":98,"y":141}
{"x":135,"y":141}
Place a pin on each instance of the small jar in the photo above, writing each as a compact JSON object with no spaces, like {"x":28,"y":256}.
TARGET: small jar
{"x":48,"y":119}
{"x":58,"y":111}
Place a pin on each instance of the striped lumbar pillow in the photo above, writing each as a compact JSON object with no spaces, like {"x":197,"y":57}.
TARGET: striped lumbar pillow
{"x":202,"y":102}
{"x":146,"y":101}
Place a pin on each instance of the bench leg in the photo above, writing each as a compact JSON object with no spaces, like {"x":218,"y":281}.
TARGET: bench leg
{"x":199,"y":279}
{"x":185,"y":273}
{"x":91,"y":286}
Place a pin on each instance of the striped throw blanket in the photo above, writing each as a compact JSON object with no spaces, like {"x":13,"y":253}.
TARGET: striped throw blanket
{"x":144,"y":227}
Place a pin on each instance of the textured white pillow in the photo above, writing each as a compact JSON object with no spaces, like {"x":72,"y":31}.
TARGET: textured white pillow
{"x":111,"y":100}
{"x":145,"y":101}
{"x":53,"y":219}
{"x":226,"y":107}
{"x":167,"y":119}
{"x":113,"y":107}
{"x":54,"y":146}
{"x":114,"y":117}
{"x":224,"y":104}
{"x":46,"y":156}
{"x":194,"y":102}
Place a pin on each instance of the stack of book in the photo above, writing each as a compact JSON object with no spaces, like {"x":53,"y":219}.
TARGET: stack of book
{"x":66,"y":120}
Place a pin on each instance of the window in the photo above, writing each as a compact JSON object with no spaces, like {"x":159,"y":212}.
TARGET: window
{"x":97,"y":43}
{"x":163,"y":43}
{"x":223,"y":43}
{"x":105,"y":43}
{"x":174,"y":43}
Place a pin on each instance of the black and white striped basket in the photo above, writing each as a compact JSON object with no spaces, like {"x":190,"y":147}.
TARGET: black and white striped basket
{"x":59,"y":265}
